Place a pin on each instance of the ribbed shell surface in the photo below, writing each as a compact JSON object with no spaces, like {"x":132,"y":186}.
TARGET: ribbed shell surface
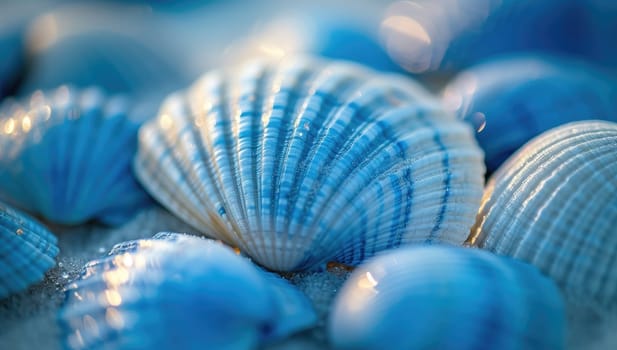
{"x":554,"y":204}
{"x":441,"y":297}
{"x":179,"y":291}
{"x":305,"y":161}
{"x":27,"y":251}
{"x":66,"y":155}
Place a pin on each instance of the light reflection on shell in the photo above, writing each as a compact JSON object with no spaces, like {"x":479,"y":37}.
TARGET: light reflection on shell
{"x":447,"y":298}
{"x":179,"y":291}
{"x":307,"y":161}
{"x":554,"y":205}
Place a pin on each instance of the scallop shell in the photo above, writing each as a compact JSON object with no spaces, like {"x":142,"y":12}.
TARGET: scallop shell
{"x":66,"y":156}
{"x":27,"y":251}
{"x":307,"y":161}
{"x":511,"y":100}
{"x":554,"y":205}
{"x":447,"y":298}
{"x":178,"y":291}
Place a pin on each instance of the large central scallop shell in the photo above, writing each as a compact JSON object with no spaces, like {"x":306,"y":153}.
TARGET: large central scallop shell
{"x":303,"y":162}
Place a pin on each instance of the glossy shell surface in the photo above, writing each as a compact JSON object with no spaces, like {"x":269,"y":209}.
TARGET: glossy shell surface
{"x":303,"y":162}
{"x":441,"y":297}
{"x":66,"y":155}
{"x":554,"y":205}
{"x":27,"y":251}
{"x":512,"y":100}
{"x":179,"y":291}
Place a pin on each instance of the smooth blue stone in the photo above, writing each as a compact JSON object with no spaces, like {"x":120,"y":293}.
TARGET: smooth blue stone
{"x":513,"y":99}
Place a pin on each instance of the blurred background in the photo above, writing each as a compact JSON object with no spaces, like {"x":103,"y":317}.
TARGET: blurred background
{"x":152,"y":47}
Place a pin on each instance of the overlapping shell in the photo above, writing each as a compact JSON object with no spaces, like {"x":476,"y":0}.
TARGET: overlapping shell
{"x":27,"y":251}
{"x":178,"y":291}
{"x":66,"y":155}
{"x":554,"y":204}
{"x":447,"y":298}
{"x":304,"y":161}
{"x":512,"y":100}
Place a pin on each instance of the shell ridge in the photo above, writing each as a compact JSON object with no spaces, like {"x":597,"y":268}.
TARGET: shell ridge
{"x":298,"y":94}
{"x":315,"y":111}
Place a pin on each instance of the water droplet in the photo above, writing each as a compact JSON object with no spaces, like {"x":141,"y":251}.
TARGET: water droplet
{"x":102,"y":250}
{"x":65,"y":276}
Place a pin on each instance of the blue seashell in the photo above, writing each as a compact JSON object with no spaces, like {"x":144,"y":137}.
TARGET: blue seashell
{"x":66,"y":155}
{"x":512,"y":100}
{"x":304,"y":162}
{"x":178,"y":291}
{"x":554,"y":205}
{"x":443,"y":35}
{"x":447,"y":298}
{"x":27,"y":251}
{"x":101,"y":45}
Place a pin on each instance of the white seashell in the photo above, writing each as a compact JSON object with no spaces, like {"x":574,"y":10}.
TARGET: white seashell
{"x":66,"y":156}
{"x":179,"y":291}
{"x":27,"y":251}
{"x":437,"y":297}
{"x":554,"y":205}
{"x":307,"y":161}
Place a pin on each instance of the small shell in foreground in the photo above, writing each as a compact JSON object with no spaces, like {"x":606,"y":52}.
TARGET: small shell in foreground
{"x":178,"y":291}
{"x":512,"y":100}
{"x":27,"y":251}
{"x":441,"y":297}
{"x":307,"y":161}
{"x":554,"y":205}
{"x":66,"y":156}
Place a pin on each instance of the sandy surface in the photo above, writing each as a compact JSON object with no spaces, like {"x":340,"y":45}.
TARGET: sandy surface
{"x":28,"y":319}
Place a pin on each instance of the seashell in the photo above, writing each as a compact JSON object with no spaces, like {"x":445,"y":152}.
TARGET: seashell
{"x":66,"y":155}
{"x":27,"y":251}
{"x":305,"y":161}
{"x":442,"y":35}
{"x":554,"y":205}
{"x":511,"y":100}
{"x":178,"y":291}
{"x":438,"y":297}
{"x":112,"y":47}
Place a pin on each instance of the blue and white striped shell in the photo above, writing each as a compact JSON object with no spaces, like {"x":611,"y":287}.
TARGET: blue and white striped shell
{"x":66,"y":155}
{"x":554,"y":205}
{"x":179,"y":291}
{"x":441,"y":297}
{"x":304,"y":162}
{"x":27,"y":251}
{"x":511,"y":100}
